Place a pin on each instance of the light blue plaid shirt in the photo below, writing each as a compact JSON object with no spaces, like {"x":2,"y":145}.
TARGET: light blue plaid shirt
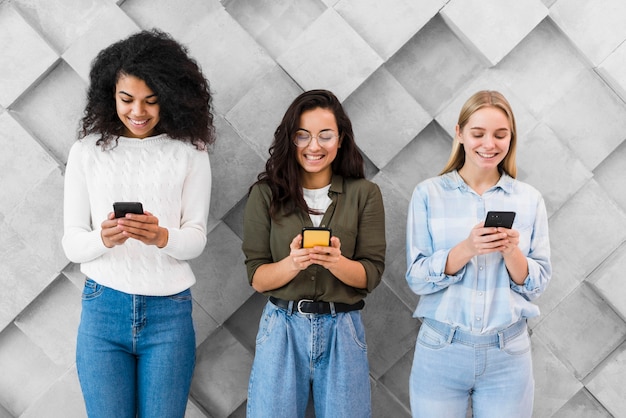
{"x":481,"y":297}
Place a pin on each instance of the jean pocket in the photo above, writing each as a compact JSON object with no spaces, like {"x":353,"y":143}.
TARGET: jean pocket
{"x":518,"y":345}
{"x":354,"y":323}
{"x":91,"y":290}
{"x":268,"y":318}
{"x":430,"y":338}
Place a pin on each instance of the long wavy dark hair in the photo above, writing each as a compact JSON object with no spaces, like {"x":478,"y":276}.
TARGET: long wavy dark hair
{"x":282,"y":171}
{"x":166,"y":68}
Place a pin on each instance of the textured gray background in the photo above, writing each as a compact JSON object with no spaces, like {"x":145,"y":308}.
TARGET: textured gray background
{"x":402,"y":69}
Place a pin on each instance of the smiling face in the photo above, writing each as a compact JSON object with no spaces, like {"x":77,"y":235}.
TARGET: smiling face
{"x":486,"y":138}
{"x":315,"y":160}
{"x":137,"y":107}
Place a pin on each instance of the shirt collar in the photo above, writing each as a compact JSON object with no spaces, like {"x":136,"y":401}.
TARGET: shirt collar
{"x":336,"y":184}
{"x":453,"y":180}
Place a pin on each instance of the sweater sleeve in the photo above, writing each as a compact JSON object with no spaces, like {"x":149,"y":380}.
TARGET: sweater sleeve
{"x":189,"y":240}
{"x":81,"y":241}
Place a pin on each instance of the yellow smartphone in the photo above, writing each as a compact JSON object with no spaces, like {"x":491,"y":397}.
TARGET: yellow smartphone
{"x":312,"y":236}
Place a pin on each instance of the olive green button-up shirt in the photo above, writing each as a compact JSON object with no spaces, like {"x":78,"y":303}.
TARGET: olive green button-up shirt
{"x":356,"y":216}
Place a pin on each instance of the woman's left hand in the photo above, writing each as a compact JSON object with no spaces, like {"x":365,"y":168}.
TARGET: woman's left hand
{"x":348,"y":271}
{"x":326,"y":257}
{"x":144,"y":228}
{"x":511,"y":242}
{"x":515,"y":261}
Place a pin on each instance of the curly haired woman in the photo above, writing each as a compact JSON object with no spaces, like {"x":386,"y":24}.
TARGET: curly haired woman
{"x":144,"y":138}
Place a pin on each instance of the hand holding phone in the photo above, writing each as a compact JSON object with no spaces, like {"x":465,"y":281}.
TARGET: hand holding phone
{"x":499,"y":219}
{"x":316,"y":236}
{"x":122,"y":208}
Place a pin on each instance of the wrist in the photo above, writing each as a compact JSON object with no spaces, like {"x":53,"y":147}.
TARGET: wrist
{"x":465,"y":250}
{"x":105,"y":241}
{"x":164,"y":237}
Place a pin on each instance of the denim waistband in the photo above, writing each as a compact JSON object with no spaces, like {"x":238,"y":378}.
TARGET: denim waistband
{"x":497,"y":339}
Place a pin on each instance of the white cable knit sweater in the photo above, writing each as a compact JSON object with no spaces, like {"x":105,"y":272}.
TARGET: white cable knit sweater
{"x":173,"y":181}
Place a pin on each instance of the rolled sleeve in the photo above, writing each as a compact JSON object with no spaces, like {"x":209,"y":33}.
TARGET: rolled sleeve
{"x":539,"y":265}
{"x":256,"y":231}
{"x":371,"y":242}
{"x":425,"y":265}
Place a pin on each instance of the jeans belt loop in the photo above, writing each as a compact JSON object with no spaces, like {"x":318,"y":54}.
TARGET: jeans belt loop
{"x":451,"y":334}
{"x":290,"y":307}
{"x":501,"y":339}
{"x":332,"y":309}
{"x":300,"y":302}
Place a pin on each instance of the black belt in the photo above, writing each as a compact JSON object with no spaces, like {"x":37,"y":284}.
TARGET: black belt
{"x":308,"y":306}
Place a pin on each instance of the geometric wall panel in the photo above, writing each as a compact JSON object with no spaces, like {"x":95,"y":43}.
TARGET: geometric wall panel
{"x":462,"y":17}
{"x":20,"y":66}
{"x":597,"y":31}
{"x":387,"y":26}
{"x":343,"y":60}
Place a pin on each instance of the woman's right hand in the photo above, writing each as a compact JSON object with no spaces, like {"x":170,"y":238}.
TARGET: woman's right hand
{"x":274,"y":275}
{"x":299,"y":256}
{"x":110,"y":233}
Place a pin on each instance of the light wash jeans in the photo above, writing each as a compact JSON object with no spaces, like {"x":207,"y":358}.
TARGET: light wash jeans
{"x":450,"y":366}
{"x":299,"y":353}
{"x":135,"y":354}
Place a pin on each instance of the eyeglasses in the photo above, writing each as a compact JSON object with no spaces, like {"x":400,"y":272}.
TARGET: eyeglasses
{"x":303,"y":138}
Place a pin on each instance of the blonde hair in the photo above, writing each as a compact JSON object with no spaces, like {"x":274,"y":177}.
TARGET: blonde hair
{"x":482,"y":99}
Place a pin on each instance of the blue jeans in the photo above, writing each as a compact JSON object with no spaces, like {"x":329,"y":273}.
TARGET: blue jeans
{"x":135,"y":354}
{"x":299,"y":353}
{"x":450,"y":366}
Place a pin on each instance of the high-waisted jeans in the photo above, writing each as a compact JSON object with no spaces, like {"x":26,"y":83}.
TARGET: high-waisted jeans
{"x":135,"y":354}
{"x":299,"y":353}
{"x":451,"y":366}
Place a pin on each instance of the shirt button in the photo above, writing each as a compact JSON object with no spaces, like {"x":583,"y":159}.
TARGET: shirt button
{"x":481,"y":268}
{"x":312,"y":277}
{"x":480,"y":293}
{"x":478,"y":318}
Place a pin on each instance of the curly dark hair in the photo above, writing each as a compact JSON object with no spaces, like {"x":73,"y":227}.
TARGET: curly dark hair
{"x":282,"y":171}
{"x":166,"y":68}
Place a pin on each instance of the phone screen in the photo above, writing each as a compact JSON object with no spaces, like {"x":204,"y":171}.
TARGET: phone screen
{"x":122,"y":208}
{"x":500,"y":219}
{"x":315,"y":236}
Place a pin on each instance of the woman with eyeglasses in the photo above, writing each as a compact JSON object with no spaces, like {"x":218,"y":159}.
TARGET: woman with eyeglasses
{"x":311,"y":338}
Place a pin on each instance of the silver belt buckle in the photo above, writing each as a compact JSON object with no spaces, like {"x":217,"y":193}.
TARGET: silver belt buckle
{"x":300,"y":305}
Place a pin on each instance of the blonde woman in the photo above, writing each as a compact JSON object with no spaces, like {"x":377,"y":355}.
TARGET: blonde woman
{"x":476,"y":282}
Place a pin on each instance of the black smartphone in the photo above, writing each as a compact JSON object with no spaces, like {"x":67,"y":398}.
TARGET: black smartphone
{"x":312,"y":236}
{"x":122,"y":208}
{"x":499,"y":219}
